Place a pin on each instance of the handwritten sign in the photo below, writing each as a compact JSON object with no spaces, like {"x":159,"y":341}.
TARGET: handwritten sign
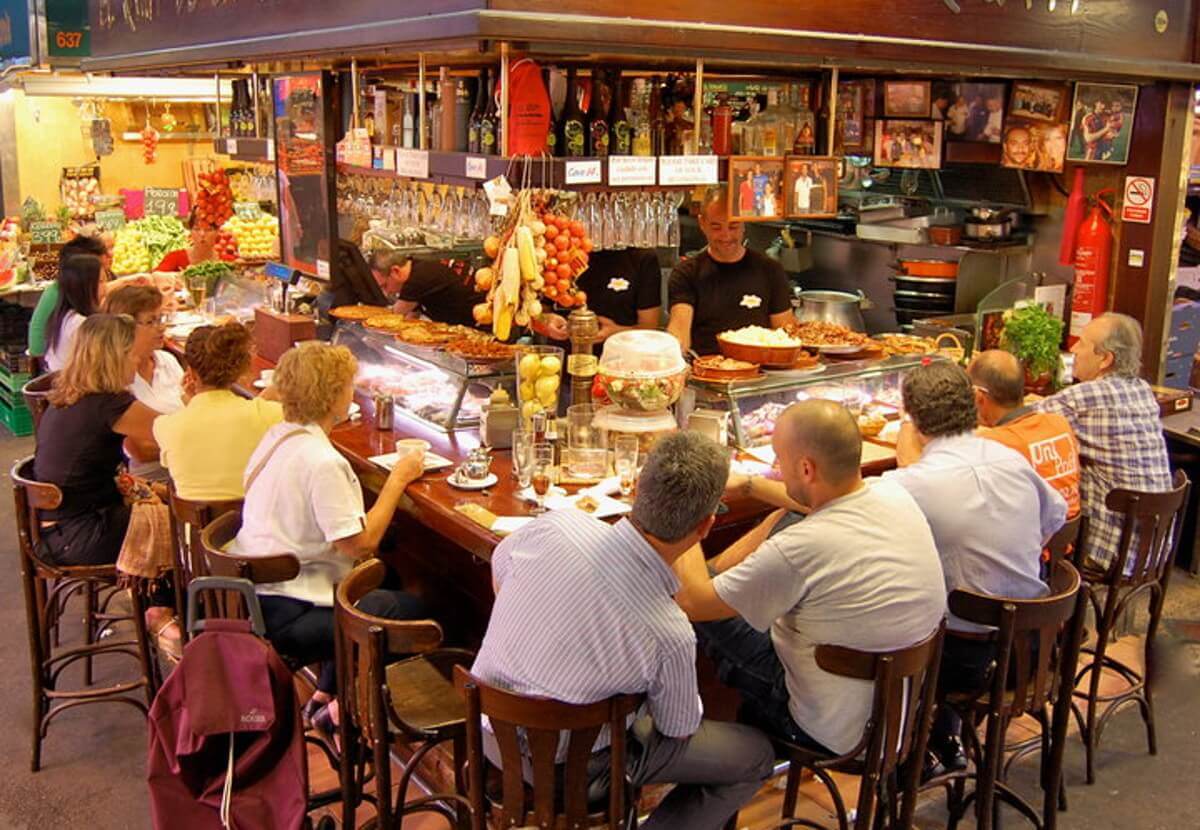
{"x":583,"y":172}
{"x":476,"y":167}
{"x":45,"y":233}
{"x":247,"y":210}
{"x":687,"y":170}
{"x":161,"y":201}
{"x":111,"y":220}
{"x":414,"y":164}
{"x":631,"y":171}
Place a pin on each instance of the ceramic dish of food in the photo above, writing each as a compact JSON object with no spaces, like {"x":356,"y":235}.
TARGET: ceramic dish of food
{"x":755,"y":344}
{"x":870,"y":424}
{"x":828,"y":338}
{"x":358,"y":313}
{"x":478,"y":350}
{"x":715,"y":367}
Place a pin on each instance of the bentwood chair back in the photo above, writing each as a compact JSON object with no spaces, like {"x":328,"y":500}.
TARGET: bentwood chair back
{"x":559,"y":792}
{"x":895,"y":737}
{"x":1037,"y":649}
{"x":1150,"y":531}
{"x":48,"y":588}
{"x":188,"y":519}
{"x":36,"y":393}
{"x":1065,"y":543}
{"x":214,"y":539}
{"x":384,"y":700}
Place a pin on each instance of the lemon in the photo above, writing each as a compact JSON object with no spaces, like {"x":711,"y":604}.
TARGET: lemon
{"x":551,"y":365}
{"x":529,"y":409}
{"x":527,"y":391}
{"x":529,"y":367}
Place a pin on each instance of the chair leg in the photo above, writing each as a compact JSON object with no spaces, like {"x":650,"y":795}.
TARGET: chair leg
{"x":792,"y":788}
{"x":89,"y":626}
{"x":143,"y":645}
{"x":1089,"y":731}
{"x":986,"y":781}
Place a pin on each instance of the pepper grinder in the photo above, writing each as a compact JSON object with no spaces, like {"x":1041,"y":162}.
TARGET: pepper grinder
{"x":582,"y":328}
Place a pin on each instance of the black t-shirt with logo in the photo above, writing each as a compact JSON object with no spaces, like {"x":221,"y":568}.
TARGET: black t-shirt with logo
{"x":621,"y":283}
{"x":729,"y":295}
{"x":443,"y":295}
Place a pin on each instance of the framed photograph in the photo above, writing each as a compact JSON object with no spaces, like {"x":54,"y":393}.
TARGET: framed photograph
{"x":913,"y":144}
{"x":906,"y":99}
{"x":1102,"y":123}
{"x":1031,"y":145}
{"x":811,"y":186}
{"x":975,"y":113}
{"x":852,"y":115}
{"x":756,"y":188}
{"x":942,"y":95}
{"x":1038,"y":102}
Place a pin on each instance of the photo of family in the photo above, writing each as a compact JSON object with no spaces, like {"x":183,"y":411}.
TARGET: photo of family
{"x":971,"y":112}
{"x":906,"y":99}
{"x":1102,"y":123}
{"x":1038,"y":102}
{"x":914,"y":144}
{"x":1034,"y":146}
{"x":811,"y":186}
{"x":756,"y":188}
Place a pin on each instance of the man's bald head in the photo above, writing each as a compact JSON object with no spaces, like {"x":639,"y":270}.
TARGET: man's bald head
{"x":824,"y":432}
{"x":1000,"y":375}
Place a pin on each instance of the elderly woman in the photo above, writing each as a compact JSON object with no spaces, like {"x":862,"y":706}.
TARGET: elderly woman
{"x":303,"y":498}
{"x":207,"y":445}
{"x":79,"y":443}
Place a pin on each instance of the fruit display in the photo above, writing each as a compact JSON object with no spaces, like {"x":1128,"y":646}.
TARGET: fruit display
{"x":214,"y":198}
{"x":226,"y":247}
{"x":539,"y":373}
{"x":77,"y":192}
{"x":129,"y":253}
{"x":241,"y":186}
{"x":142,"y":244}
{"x":149,"y":145}
{"x":257,"y":238}
{"x":536,"y":258}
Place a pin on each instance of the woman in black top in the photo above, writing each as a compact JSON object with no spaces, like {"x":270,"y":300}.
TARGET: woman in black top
{"x":80,"y":440}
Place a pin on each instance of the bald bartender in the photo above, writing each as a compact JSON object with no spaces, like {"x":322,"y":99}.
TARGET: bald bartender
{"x":725,"y":286}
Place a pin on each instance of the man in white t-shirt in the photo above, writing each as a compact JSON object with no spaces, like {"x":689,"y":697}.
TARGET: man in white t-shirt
{"x":802,"y":191}
{"x":861,"y":571}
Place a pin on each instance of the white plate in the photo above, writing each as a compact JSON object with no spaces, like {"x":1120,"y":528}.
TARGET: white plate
{"x":840,"y":349}
{"x":260,"y":384}
{"x":433,"y":461}
{"x":454,"y":481}
{"x":528,"y":495}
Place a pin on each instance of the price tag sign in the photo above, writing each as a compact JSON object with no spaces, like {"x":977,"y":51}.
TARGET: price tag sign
{"x":45,"y":233}
{"x":270,"y":149}
{"x":323,"y":268}
{"x":476,"y":167}
{"x":583,"y":172}
{"x":687,"y":170}
{"x":414,"y":164}
{"x":231,"y":147}
{"x":247,"y":210}
{"x":632,"y":171}
{"x":161,"y":201}
{"x":111,"y":220}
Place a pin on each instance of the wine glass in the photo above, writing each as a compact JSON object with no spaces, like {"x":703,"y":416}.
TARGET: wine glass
{"x":625,"y":460}
{"x":541,"y":475}
{"x":522,"y":456}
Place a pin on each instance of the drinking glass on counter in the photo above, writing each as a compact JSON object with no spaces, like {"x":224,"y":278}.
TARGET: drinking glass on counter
{"x":197,"y":285}
{"x":522,"y":456}
{"x":542,"y":474}
{"x":625,"y":449}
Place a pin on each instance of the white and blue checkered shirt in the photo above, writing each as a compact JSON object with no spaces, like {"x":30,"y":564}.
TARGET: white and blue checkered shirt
{"x":585,"y":611}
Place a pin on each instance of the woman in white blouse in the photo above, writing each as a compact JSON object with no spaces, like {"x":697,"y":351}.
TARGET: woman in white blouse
{"x":78,"y":297}
{"x":302,"y":497}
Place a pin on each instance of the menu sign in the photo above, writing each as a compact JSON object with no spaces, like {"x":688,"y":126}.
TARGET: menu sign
{"x":687,"y":170}
{"x":161,"y":201}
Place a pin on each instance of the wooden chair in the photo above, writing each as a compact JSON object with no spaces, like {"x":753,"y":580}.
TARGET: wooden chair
{"x":895,"y":737}
{"x":214,"y":538}
{"x":35,"y":393}
{"x":1149,"y":539}
{"x":384,"y":704}
{"x":48,"y":588}
{"x":1065,"y":543}
{"x":558,"y":793}
{"x":188,"y":519}
{"x":1037,"y":649}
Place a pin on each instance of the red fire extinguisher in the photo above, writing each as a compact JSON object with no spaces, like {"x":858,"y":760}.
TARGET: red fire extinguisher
{"x":1093,"y":259}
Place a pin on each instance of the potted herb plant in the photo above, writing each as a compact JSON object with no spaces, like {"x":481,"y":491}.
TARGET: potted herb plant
{"x":1033,"y":334}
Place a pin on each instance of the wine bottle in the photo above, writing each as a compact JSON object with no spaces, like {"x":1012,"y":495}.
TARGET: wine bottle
{"x":598,"y":134}
{"x":447,"y":111}
{"x":643,"y":144}
{"x":621,"y":143}
{"x":462,"y":115}
{"x":572,"y":128}
{"x":489,"y":122}
{"x":658,"y":121}
{"x":477,"y":113}
{"x":552,"y":131}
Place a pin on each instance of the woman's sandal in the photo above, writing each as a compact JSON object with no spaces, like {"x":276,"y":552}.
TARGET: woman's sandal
{"x":326,"y":727}
{"x":164,"y":631}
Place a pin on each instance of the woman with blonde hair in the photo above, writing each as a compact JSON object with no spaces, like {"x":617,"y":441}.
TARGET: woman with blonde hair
{"x":302,"y":497}
{"x":80,"y":438}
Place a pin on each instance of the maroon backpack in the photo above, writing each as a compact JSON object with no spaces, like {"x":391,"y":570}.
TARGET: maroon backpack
{"x":226,"y":742}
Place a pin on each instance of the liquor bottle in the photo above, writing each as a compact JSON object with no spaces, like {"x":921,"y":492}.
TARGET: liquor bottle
{"x":462,"y":115}
{"x":573,"y":126}
{"x":770,"y":126}
{"x":409,"y":121}
{"x":621,"y":143}
{"x":658,"y":121}
{"x":722,"y":126}
{"x":643,"y":144}
{"x":477,"y":113}
{"x":552,"y":129}
{"x":601,"y":103}
{"x":489,"y":122}
{"x":447,"y":111}
{"x":433,"y":122}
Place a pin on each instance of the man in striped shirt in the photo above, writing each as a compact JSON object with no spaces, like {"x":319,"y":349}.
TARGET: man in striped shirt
{"x":585,"y":610}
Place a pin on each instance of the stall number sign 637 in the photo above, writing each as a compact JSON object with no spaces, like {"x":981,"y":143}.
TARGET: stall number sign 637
{"x":68,"y":40}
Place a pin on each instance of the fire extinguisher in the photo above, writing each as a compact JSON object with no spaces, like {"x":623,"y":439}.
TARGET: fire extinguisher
{"x":1093,"y":259}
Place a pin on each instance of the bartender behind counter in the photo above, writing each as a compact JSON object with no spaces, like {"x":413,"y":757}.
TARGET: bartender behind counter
{"x":427,"y":287}
{"x":624,"y":289}
{"x":726,"y":286}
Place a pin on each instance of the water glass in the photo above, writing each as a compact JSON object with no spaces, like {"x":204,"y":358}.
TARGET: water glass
{"x":522,"y":456}
{"x":625,"y":449}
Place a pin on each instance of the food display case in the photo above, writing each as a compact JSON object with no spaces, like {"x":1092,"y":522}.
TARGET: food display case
{"x":432,"y":386}
{"x":869,"y":388}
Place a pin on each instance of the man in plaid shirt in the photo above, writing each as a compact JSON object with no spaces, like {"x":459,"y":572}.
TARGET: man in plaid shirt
{"x":1116,"y":418}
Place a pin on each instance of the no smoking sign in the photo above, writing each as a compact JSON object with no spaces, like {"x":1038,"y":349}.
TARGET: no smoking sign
{"x":1138,"y":205}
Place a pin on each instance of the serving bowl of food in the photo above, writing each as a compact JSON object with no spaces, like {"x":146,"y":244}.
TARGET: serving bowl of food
{"x":642,"y":371}
{"x":830,"y":338}
{"x":718,"y":368}
{"x":767,"y":347}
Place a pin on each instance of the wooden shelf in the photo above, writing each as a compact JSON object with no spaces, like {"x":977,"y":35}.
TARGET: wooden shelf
{"x":246,"y":149}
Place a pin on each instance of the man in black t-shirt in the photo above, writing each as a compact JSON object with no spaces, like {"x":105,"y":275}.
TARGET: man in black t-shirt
{"x":624,"y":289}
{"x":427,"y":287}
{"x":725,"y":286}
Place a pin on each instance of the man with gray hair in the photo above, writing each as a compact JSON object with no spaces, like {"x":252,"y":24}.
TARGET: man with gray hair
{"x":1118,"y":425}
{"x":585,"y":610}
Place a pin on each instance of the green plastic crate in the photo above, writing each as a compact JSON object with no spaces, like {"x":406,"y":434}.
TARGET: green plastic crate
{"x":18,"y":419}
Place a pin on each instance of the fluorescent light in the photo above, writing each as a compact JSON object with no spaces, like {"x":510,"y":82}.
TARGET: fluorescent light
{"x":96,"y":86}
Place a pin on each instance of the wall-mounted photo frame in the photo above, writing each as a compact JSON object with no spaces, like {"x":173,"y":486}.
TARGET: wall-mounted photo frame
{"x":975,"y":112}
{"x":908,"y":143}
{"x":1038,"y":102}
{"x":811,"y":186}
{"x":1102,"y":123}
{"x":756,"y":188}
{"x":906,"y":99}
{"x":1032,"y":145}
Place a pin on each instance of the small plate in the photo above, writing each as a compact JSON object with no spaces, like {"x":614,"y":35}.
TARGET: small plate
{"x":842,"y":349}
{"x":454,"y":481}
{"x":260,"y":384}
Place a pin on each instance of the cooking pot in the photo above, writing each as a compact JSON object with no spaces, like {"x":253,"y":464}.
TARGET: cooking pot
{"x":934,"y":285}
{"x":938,"y":268}
{"x":838,"y":307}
{"x":988,"y":223}
{"x":924,"y":301}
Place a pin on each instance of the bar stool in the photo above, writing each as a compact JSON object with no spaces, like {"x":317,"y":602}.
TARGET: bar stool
{"x":48,"y":587}
{"x":188,"y":520}
{"x":558,"y":794}
{"x":1150,"y":532}
{"x":1037,"y":649}
{"x":36,"y":393}
{"x":384,"y":704}
{"x":893,"y":742}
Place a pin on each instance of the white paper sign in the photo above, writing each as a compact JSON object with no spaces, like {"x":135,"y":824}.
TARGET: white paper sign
{"x":323,"y":268}
{"x":631,"y":171}
{"x":687,"y":170}
{"x":231,"y":146}
{"x":583,"y":172}
{"x":415,"y":163}
{"x":270,"y":149}
{"x":389,"y":160}
{"x":476,"y":167}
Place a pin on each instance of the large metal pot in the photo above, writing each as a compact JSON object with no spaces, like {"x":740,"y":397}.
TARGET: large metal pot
{"x":832,"y":307}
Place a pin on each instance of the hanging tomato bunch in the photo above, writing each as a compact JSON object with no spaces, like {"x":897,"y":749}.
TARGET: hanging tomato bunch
{"x":566,"y":246}
{"x":149,"y":145}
